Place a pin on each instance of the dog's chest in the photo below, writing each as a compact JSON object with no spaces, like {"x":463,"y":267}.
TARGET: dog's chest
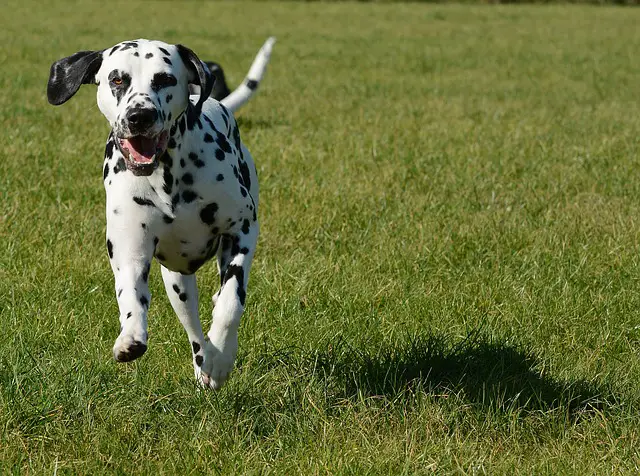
{"x":196,"y":210}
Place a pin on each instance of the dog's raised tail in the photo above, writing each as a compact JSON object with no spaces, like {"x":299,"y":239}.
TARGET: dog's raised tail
{"x":251,"y":82}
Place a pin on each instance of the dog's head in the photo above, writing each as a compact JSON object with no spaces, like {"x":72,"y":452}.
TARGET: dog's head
{"x":143,"y":86}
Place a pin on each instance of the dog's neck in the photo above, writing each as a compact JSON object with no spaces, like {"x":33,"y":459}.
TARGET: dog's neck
{"x":167,"y":179}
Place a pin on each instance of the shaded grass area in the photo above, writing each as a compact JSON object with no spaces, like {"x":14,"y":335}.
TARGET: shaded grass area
{"x":447,"y":277}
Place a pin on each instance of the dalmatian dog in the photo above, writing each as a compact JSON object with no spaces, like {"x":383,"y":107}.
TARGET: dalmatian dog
{"x":180,"y":186}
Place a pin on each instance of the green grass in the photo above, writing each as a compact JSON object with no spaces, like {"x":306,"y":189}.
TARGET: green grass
{"x":448,"y":275}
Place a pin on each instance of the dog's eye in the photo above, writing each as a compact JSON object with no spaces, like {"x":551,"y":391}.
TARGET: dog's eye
{"x":116,"y":81}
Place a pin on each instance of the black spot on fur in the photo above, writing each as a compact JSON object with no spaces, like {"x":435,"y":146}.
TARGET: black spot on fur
{"x":167,"y":219}
{"x":220,"y":178}
{"x":144,"y":201}
{"x":110,"y":249}
{"x":195,"y":346}
{"x":220,"y":155}
{"x":245,"y":227}
{"x":235,"y":248}
{"x":208,"y":137}
{"x":199,"y":360}
{"x":120,"y":166}
{"x":168,"y":180}
{"x":114,"y":49}
{"x":189,"y":196}
{"x":143,"y":225}
{"x":182,"y":125}
{"x":175,"y":200}
{"x":188,"y":179}
{"x":148,"y":55}
{"x":176,"y":288}
{"x":243,"y":191}
{"x":235,"y":271}
{"x":166,"y":158}
{"x":168,"y":61}
{"x":183,"y":297}
{"x":196,"y":160}
{"x":210,"y":122}
{"x":172,"y":143}
{"x":208,"y":213}
{"x":225,"y":111}
{"x":244,"y":173}
{"x":163,"y":50}
{"x":182,"y":163}
{"x":223,"y":143}
{"x":145,"y":273}
{"x":129,"y":314}
{"x":191,"y":117}
{"x":251,"y":84}
{"x":144,"y":301}
{"x":105,"y":172}
{"x":108,"y":149}
{"x":163,"y":80}
{"x":128,"y":45}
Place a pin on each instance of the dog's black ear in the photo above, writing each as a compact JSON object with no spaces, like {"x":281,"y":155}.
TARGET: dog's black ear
{"x":68,"y":74}
{"x":200,"y":74}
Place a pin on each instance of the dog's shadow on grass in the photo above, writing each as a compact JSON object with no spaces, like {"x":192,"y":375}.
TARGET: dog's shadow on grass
{"x":481,"y":371}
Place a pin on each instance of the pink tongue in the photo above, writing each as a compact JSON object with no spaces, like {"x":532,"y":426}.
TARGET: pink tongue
{"x":141,"y":149}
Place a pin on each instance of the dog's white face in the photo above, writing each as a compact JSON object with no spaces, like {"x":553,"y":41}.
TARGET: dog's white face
{"x":143,"y":86}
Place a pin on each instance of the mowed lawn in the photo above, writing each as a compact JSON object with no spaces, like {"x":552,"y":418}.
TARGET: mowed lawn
{"x":448,"y":274}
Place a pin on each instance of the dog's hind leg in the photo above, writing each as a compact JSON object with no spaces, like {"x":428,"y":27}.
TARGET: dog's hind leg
{"x":182,"y":291}
{"x":222,"y":344}
{"x":223,"y":259}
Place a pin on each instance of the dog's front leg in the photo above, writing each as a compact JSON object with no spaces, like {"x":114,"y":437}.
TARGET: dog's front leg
{"x":131,"y":262}
{"x":183,"y":295}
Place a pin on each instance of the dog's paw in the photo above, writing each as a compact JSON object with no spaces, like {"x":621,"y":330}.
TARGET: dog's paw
{"x":218,"y":360}
{"x":128,"y":347}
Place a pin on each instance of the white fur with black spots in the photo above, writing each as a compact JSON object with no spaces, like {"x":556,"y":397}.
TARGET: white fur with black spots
{"x":180,"y":185}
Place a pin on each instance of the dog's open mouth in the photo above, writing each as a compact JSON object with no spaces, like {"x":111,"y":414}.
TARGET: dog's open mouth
{"x":142,"y":153}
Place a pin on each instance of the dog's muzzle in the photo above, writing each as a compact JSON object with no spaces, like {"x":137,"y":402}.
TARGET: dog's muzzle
{"x":141,"y":144}
{"x":142,"y":153}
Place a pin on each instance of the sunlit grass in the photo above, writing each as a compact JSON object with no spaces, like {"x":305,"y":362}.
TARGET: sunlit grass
{"x":447,"y":277}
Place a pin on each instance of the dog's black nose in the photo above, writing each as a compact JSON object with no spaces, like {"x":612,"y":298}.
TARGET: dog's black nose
{"x":141,"y":119}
